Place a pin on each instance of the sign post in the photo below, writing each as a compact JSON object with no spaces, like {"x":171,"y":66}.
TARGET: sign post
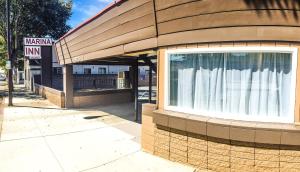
{"x":10,"y":78}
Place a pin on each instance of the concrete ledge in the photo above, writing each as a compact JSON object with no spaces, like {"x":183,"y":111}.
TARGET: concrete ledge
{"x":88,"y":98}
{"x":256,"y":132}
{"x":54,"y":96}
{"x":88,"y":92}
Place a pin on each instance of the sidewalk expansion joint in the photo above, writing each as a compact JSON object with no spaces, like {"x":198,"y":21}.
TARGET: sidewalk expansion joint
{"x":112,"y":161}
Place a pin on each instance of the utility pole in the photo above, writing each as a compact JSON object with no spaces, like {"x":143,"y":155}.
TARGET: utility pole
{"x":10,"y":79}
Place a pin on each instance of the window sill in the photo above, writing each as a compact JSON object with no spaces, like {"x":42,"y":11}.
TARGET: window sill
{"x":254,"y":132}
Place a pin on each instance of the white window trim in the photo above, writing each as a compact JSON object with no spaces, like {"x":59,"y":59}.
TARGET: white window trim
{"x":288,"y":119}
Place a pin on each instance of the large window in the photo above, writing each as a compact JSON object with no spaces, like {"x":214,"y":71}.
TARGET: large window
{"x":255,"y":84}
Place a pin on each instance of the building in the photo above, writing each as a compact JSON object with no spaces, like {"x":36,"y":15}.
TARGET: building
{"x":33,"y":72}
{"x":228,"y":77}
{"x":88,"y":69}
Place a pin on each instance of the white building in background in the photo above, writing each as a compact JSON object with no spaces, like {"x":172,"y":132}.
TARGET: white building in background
{"x":98,"y":69}
{"x":88,"y":69}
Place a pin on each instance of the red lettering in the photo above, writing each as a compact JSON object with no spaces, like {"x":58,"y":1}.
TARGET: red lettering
{"x":38,"y":41}
{"x":36,"y":51}
{"x":30,"y":51}
{"x":27,"y":41}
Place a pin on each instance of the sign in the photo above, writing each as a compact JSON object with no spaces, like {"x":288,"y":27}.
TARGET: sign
{"x":8,"y":65}
{"x":38,"y":41}
{"x":33,"y":52}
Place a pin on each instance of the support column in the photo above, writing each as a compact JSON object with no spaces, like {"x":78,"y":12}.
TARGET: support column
{"x":136,"y":89}
{"x":68,"y":85}
{"x":46,"y":66}
{"x":150,"y":83}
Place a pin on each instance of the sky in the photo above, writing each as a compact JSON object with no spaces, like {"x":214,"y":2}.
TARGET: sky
{"x":84,"y":9}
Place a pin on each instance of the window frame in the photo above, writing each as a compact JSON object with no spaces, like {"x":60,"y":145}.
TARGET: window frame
{"x":102,"y":69}
{"x":288,"y":119}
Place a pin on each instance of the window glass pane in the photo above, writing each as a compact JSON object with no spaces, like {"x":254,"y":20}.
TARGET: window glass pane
{"x":231,"y":83}
{"x":101,"y":70}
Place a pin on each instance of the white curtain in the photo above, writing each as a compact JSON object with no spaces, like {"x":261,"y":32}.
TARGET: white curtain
{"x":240,"y":83}
{"x":185,"y":87}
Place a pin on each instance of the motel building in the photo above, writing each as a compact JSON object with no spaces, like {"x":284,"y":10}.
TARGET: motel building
{"x":228,"y":77}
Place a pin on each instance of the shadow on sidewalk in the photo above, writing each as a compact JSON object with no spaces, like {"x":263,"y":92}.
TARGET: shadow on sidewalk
{"x":38,"y":107}
{"x":21,"y":92}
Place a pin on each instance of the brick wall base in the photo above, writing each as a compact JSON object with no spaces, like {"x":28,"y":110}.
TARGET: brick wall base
{"x":54,"y":96}
{"x":101,"y":98}
{"x":215,"y":154}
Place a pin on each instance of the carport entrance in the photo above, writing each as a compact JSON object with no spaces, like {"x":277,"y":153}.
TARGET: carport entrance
{"x":139,"y":89}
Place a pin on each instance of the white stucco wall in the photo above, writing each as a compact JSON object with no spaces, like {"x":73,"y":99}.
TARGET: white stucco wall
{"x":79,"y":69}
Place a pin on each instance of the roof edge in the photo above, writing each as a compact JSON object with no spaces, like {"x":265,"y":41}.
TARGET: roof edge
{"x":103,"y":11}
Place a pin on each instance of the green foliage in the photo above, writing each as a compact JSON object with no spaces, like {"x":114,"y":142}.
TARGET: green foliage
{"x":34,"y":18}
{"x":3,"y":53}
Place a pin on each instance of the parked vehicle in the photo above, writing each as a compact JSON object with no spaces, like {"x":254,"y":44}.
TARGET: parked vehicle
{"x":2,"y":77}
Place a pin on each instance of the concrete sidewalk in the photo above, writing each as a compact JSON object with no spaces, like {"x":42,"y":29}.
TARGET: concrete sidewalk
{"x":39,"y":137}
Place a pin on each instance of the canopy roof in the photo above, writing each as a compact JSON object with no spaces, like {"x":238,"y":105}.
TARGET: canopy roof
{"x":131,"y":26}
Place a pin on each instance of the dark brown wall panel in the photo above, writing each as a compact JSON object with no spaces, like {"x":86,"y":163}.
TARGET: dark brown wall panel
{"x":231,"y":19}
{"x":140,"y":45}
{"x":217,"y":6}
{"x":105,"y":53}
{"x":232,"y":34}
{"x":162,"y":4}
{"x":183,"y":21}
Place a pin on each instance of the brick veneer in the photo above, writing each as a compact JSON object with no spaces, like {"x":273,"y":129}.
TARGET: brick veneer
{"x":88,"y":98}
{"x":147,"y":137}
{"x":176,"y":139}
{"x":54,"y":96}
